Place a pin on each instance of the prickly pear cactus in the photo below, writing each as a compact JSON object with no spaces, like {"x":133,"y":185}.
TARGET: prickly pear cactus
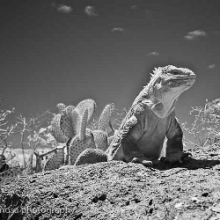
{"x":88,"y":104}
{"x":69,"y":109}
{"x":82,"y":131}
{"x":61,"y":107}
{"x":55,"y":160}
{"x":105,"y":116}
{"x":66,"y":124}
{"x":90,"y":156}
{"x":56,"y":130}
{"x":100,"y":135}
{"x":70,"y":125}
{"x":81,"y":141}
{"x":77,"y":146}
{"x":101,"y":139}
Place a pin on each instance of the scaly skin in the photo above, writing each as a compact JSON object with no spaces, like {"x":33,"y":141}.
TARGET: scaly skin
{"x":151,"y":118}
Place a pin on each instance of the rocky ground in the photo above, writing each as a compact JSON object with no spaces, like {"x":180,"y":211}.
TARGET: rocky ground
{"x":116,"y":190}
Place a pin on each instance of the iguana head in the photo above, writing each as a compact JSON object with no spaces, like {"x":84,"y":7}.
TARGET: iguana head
{"x":166,"y":85}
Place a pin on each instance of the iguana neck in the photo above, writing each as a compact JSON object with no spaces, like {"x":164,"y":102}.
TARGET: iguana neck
{"x":156,"y":105}
{"x":163,"y":110}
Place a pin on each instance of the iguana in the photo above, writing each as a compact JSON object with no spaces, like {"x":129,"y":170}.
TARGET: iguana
{"x":150,"y":120}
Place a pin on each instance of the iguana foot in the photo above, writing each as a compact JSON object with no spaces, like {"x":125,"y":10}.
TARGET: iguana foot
{"x":145,"y":162}
{"x":176,"y":157}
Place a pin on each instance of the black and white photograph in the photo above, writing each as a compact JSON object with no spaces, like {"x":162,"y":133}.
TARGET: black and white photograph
{"x":110,"y":109}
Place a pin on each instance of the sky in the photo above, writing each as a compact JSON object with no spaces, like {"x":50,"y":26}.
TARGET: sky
{"x":65,"y":51}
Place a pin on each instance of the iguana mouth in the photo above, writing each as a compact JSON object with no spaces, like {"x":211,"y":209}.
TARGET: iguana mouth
{"x":187,"y":78}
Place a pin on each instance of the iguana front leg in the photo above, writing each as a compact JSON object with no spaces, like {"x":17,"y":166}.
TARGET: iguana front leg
{"x":174,"y":146}
{"x":132,"y":154}
{"x":124,"y":146}
{"x":122,"y":143}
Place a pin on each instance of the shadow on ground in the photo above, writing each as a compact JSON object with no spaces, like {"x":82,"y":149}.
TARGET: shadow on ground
{"x":189,"y":163}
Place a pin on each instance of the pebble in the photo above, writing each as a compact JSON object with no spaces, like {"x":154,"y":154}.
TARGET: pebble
{"x":178,"y":205}
{"x":195,"y":199}
{"x":216,"y":208}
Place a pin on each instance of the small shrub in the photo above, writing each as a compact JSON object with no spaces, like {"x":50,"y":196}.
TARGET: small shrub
{"x":206,"y":125}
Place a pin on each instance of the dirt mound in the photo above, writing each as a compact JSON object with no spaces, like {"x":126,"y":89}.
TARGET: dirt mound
{"x":117,"y":190}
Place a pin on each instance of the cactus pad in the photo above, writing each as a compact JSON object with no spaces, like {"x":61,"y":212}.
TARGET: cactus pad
{"x":90,"y":156}
{"x":101,"y":139}
{"x":82,"y":132}
{"x":86,"y":104}
{"x":69,"y":109}
{"x":104,"y":118}
{"x":77,"y":146}
{"x":56,"y":131}
{"x":55,"y":160}
{"x":61,"y":107}
{"x":76,"y":121}
{"x":66,"y":125}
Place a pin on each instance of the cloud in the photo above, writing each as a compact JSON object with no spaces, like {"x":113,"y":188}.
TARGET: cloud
{"x":63,"y":8}
{"x":153,"y":53}
{"x":90,"y":11}
{"x":117,"y":29}
{"x":195,"y":34}
{"x":211,"y":66}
